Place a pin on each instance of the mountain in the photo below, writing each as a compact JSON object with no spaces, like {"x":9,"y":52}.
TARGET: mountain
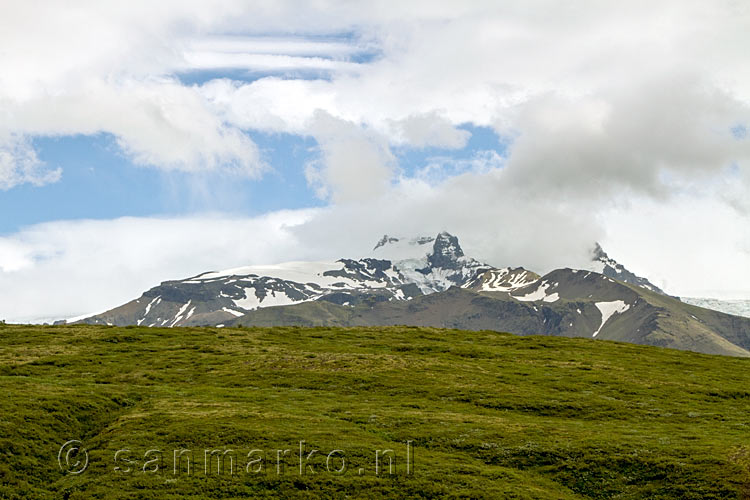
{"x":603,"y":264}
{"x":429,"y":281}
{"x":565,"y":302}
{"x":425,"y":265}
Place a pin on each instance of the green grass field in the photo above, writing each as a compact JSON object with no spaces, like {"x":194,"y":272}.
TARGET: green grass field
{"x":485,"y":415}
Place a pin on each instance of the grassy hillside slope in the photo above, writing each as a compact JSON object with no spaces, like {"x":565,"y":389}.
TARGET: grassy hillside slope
{"x":488,"y":415}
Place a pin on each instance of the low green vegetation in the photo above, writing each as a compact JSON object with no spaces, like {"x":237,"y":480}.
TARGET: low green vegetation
{"x":466,"y":415}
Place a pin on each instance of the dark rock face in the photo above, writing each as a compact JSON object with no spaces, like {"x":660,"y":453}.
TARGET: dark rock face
{"x":410,"y":290}
{"x":384,"y":241}
{"x":445,"y":252}
{"x":448,"y":260}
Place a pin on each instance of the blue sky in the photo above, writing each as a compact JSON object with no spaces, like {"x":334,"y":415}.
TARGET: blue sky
{"x":100,"y":182}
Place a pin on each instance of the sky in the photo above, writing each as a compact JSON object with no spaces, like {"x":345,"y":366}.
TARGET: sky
{"x":146,"y":141}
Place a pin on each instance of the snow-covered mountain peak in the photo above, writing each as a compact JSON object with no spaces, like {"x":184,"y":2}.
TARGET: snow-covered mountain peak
{"x":445,"y":251}
{"x":433,"y":263}
{"x":441,"y":251}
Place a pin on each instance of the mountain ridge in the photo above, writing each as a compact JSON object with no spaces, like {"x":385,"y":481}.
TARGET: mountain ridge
{"x":603,"y":264}
{"x":429,"y":281}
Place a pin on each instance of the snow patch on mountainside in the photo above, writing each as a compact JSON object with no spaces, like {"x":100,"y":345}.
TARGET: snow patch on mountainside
{"x":436,"y":280}
{"x":272,"y":298}
{"x":234,"y":313}
{"x":507,"y":279}
{"x":339,"y":274}
{"x":540,"y":294}
{"x":150,"y":304}
{"x":608,"y":309}
{"x":180,"y":313}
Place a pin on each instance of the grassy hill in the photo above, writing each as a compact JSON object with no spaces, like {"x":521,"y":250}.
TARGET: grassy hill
{"x":485,"y":415}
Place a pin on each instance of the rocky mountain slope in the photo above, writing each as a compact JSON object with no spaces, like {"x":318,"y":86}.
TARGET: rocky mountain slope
{"x":428,"y":281}
{"x":565,"y":302}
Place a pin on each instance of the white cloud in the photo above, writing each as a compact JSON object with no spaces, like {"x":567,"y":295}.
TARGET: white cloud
{"x":354,"y":164}
{"x":270,"y":104}
{"x":19,"y":164}
{"x":429,"y":129}
{"x":693,"y":246}
{"x":157,"y":122}
{"x":293,"y":46}
{"x":84,"y":67}
{"x":610,"y":99}
{"x":505,"y":227}
{"x":439,"y":169}
{"x":438,"y":64}
{"x":650,"y":139}
{"x":15,"y":255}
{"x":262,"y":62}
{"x":63,"y":269}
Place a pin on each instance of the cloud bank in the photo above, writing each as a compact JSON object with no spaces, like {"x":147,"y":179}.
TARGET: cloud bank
{"x":635,"y":77}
